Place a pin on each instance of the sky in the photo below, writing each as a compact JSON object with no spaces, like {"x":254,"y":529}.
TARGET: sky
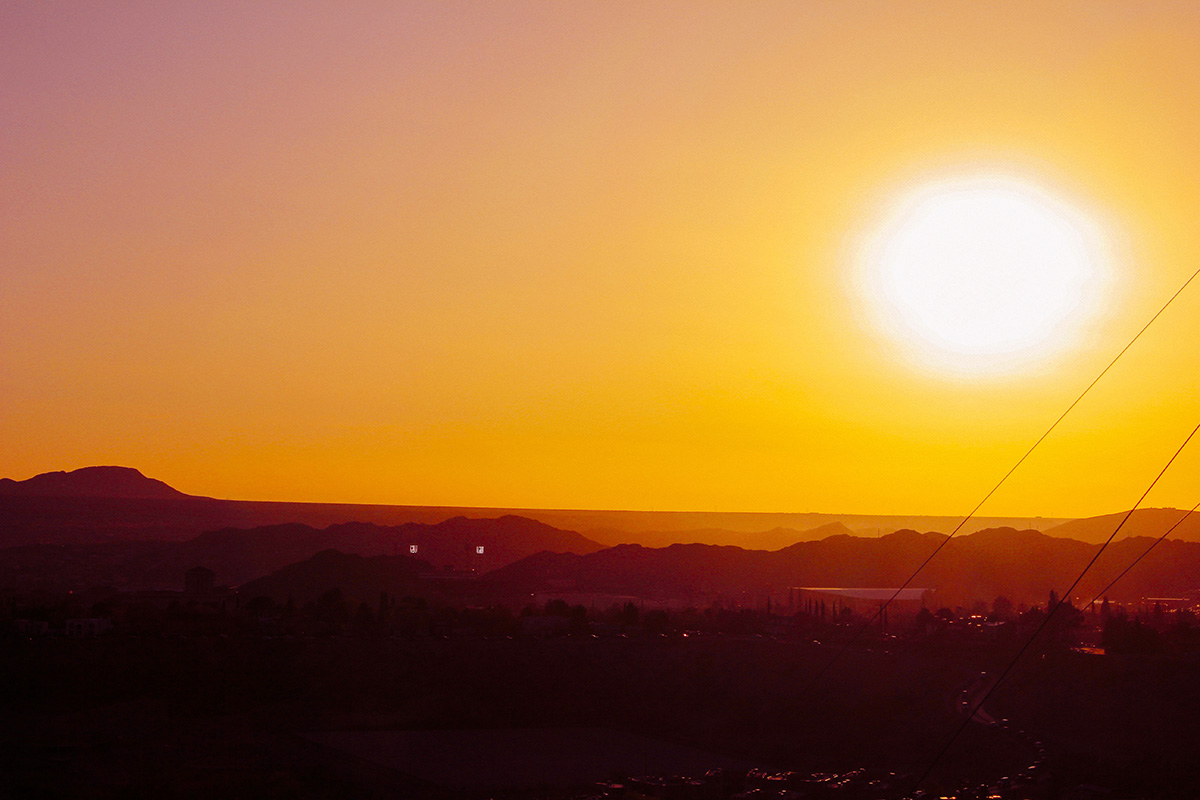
{"x":578,"y":255}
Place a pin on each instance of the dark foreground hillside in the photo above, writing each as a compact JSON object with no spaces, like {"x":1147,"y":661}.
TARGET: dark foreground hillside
{"x":205,"y":717}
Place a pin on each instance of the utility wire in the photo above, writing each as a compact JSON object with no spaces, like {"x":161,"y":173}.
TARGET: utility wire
{"x":1049,"y":615}
{"x":1145,"y":553}
{"x":1091,"y":603}
{"x":821,"y":673}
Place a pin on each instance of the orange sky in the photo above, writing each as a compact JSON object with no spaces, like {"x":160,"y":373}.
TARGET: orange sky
{"x":573,"y":255}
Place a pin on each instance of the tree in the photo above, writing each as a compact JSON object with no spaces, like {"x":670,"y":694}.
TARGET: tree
{"x":1064,"y":618}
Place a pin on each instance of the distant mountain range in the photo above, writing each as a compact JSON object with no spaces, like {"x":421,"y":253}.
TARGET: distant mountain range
{"x":1020,"y":565}
{"x":239,"y":555}
{"x":773,"y":539}
{"x":1023,"y":566}
{"x":120,"y":503}
{"x":1152,"y":522}
{"x":112,"y":482}
{"x":97,"y":504}
{"x":115,"y":526}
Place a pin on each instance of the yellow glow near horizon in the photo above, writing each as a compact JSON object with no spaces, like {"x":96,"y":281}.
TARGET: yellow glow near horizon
{"x":588,"y":255}
{"x":985,"y":273}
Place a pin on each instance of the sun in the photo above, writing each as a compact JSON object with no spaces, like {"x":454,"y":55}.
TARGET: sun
{"x":984,"y":273}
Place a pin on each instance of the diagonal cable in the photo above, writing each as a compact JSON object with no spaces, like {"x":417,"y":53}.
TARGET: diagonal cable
{"x":1145,"y":553}
{"x":1091,"y":603}
{"x":1050,"y":614}
{"x":821,"y":673}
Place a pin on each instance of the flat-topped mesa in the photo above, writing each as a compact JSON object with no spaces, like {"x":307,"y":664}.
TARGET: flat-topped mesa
{"x":118,"y":482}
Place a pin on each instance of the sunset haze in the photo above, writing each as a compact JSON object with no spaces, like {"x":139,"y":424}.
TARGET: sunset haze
{"x":597,"y":255}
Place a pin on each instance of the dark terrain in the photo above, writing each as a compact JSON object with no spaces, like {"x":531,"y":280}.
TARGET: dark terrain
{"x":119,"y":503}
{"x":297,"y":634}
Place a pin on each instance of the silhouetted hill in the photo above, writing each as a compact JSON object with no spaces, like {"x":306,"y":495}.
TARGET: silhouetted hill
{"x":823,"y":531}
{"x":119,"y":482}
{"x":588,"y":522}
{"x":1144,"y":522}
{"x":706,"y":572}
{"x":99,"y":504}
{"x":360,"y":578}
{"x":239,"y":555}
{"x":773,"y":539}
{"x":1021,"y":565}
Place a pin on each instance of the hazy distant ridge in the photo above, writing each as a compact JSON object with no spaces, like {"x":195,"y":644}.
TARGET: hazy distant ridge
{"x":1021,"y":565}
{"x":112,"y":504}
{"x":1144,"y":522}
{"x":239,"y":555}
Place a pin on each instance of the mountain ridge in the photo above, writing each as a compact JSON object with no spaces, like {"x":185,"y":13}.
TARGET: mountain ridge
{"x":1152,"y":522}
{"x":1020,"y":565}
{"x":41,"y":510}
{"x":90,"y":482}
{"x":238,"y":555}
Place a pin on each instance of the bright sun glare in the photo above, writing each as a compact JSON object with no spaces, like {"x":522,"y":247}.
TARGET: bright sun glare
{"x":985,"y":273}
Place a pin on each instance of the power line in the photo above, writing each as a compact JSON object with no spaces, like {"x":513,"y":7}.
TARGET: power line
{"x":1050,"y":614}
{"x":883,"y":607}
{"x":1091,"y":603}
{"x":1145,"y":553}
